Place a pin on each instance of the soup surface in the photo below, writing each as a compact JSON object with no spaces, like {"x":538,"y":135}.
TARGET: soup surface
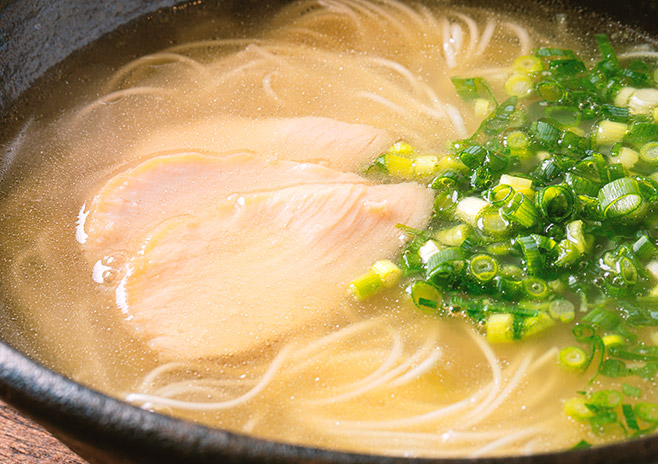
{"x":180,"y":230}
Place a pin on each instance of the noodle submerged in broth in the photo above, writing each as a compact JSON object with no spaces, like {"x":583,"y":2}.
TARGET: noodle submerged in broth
{"x":214,"y":202}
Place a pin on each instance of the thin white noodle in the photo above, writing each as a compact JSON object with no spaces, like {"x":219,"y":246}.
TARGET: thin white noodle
{"x":419,"y":86}
{"x":486,"y":38}
{"x":365,"y":6}
{"x":383,"y":101}
{"x":333,"y":337}
{"x":410,"y":12}
{"x":195,"y":406}
{"x":457,"y":120}
{"x":457,"y":34}
{"x":151,"y":377}
{"x":470,"y":401}
{"x":267,"y":87}
{"x":150,"y":59}
{"x":504,"y":441}
{"x":119,"y":94}
{"x":372,"y":380}
{"x":639,"y":54}
{"x":213,"y":44}
{"x":306,"y":31}
{"x":484,"y":411}
{"x":448,"y":51}
{"x":427,"y":364}
{"x":543,"y":359}
{"x":473,"y":33}
{"x":522,"y":35}
{"x":345,"y":10}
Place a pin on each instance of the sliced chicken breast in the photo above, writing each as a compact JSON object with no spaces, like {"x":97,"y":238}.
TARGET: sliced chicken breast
{"x":337,"y":144}
{"x":136,"y":200}
{"x":258,"y":266}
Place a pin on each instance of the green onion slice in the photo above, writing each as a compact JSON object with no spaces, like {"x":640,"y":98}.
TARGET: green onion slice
{"x":536,"y":289}
{"x":556,"y":202}
{"x":574,"y":358}
{"x":620,"y":198}
{"x":425,"y":296}
{"x":500,"y":195}
{"x":483,"y":267}
{"x":521,"y":210}
{"x":646,"y":411}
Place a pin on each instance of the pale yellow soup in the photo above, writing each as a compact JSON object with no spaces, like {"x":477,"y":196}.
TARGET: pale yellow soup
{"x":375,"y":377}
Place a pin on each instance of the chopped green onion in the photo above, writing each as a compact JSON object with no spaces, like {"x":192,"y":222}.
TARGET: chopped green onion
{"x":399,"y":166}
{"x":606,"y":49}
{"x":500,"y":327}
{"x":573,"y":357}
{"x":576,"y":235}
{"x":577,"y":409}
{"x":425,"y":296}
{"x":630,"y":417}
{"x":567,"y":116}
{"x":520,"y":210}
{"x":388,"y":272}
{"x":471,"y":88}
{"x":469,"y":209}
{"x":644,"y":247}
{"x":491,"y":222}
{"x":518,"y":143}
{"x":445,"y":262}
{"x":500,"y":195}
{"x":609,"y":132}
{"x":424,"y":166}
{"x":535,"y":324}
{"x":567,"y":254}
{"x":366,"y":285}
{"x":562,"y":310}
{"x":482,"y":107}
{"x":547,"y":134}
{"x":646,"y":411}
{"x":473,"y":156}
{"x":612,"y":340}
{"x":556,"y":202}
{"x":605,"y":399}
{"x":445,"y":202}
{"x":649,"y":153}
{"x":631,"y":391}
{"x":519,"y":184}
{"x":623,"y":96}
{"x":528,"y":64}
{"x":550,"y":91}
{"x":536,"y":288}
{"x":453,"y":236}
{"x":569,"y":68}
{"x":643,"y":101}
{"x":620,"y":198}
{"x":627,"y":157}
{"x":483,"y":267}
{"x":519,"y":85}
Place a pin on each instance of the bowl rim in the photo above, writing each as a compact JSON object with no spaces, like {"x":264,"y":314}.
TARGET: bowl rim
{"x":72,"y":411}
{"x":80,"y":415}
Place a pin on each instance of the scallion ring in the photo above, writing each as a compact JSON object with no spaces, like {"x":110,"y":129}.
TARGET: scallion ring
{"x":620,"y":198}
{"x":556,"y":202}
{"x":483,"y":267}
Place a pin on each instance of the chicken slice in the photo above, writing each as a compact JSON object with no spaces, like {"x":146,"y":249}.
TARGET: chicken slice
{"x":337,"y":144}
{"x":261,"y":265}
{"x":136,"y":200}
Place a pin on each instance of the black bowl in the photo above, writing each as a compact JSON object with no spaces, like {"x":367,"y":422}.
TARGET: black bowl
{"x":37,"y":35}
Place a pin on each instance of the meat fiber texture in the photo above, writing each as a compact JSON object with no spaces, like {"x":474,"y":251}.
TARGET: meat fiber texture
{"x":228,"y":252}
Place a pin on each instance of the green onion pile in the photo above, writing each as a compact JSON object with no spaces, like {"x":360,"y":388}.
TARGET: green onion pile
{"x":547,"y":214}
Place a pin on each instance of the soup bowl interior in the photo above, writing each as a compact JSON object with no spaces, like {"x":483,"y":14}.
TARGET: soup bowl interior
{"x":39,"y":42}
